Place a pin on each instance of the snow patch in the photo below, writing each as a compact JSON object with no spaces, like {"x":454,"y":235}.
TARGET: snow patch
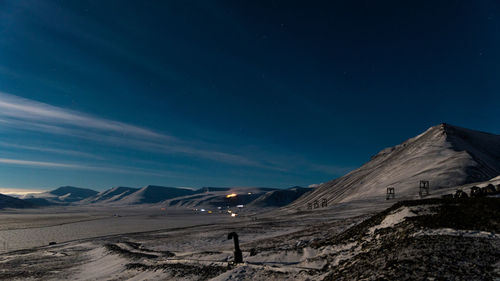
{"x":400,"y":215}
{"x":102,"y":266}
{"x":457,"y":232}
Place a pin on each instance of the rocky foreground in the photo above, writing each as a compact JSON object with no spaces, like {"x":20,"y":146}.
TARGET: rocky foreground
{"x":424,"y":240}
{"x":431,"y":239}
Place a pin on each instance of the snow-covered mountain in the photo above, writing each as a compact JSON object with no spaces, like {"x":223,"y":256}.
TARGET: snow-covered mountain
{"x":61,"y":195}
{"x":13,"y":202}
{"x":111,"y":195}
{"x":445,"y":155}
{"x":71,"y":193}
{"x":280,"y":197}
{"x":153,"y":194}
{"x":209,"y":197}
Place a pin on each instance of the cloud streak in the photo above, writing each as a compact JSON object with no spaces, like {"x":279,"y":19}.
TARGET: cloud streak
{"x":25,"y":109}
{"x":38,"y":163}
{"x":61,"y":165}
{"x":25,"y":114}
{"x":51,"y":150}
{"x":18,"y":191}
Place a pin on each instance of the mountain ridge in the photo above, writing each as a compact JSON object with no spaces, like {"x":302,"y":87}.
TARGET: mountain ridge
{"x":13,"y":202}
{"x":110,"y":195}
{"x":446,"y":155}
{"x":153,"y":194}
{"x":59,"y":196}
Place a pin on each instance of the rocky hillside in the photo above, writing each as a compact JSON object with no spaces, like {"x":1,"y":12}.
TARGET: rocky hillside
{"x":430,"y":239}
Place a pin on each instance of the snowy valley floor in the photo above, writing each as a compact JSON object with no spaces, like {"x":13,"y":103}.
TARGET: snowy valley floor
{"x":430,"y":239}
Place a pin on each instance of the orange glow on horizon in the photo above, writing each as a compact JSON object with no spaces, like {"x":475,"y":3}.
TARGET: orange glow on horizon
{"x":231,"y":195}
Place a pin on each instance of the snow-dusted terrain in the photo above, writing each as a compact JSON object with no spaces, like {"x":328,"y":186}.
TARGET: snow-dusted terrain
{"x":250,"y":197}
{"x":61,"y":195}
{"x":12,"y":202}
{"x":153,"y":194}
{"x":111,"y":195}
{"x":433,"y":239}
{"x":158,"y":234}
{"x":444,"y":155}
{"x":165,"y":197}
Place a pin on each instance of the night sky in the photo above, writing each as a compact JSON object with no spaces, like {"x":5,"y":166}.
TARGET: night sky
{"x":233,"y":93}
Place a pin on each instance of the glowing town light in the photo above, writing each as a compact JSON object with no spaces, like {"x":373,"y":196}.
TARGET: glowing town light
{"x":234,"y":215}
{"x":231,"y":195}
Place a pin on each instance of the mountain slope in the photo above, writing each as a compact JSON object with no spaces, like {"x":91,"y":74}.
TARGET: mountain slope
{"x":445,"y":155}
{"x":12,"y":202}
{"x":110,"y":195}
{"x":153,"y":194}
{"x":280,"y":197}
{"x":72,"y":194}
{"x":209,"y":197}
{"x":61,"y":195}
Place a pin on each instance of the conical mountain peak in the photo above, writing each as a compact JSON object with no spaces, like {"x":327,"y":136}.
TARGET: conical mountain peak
{"x":446,"y":155}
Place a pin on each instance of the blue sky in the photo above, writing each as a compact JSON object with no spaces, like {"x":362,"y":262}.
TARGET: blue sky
{"x":233,"y":93}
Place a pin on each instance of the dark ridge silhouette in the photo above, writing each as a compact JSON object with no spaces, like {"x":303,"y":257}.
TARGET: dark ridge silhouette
{"x":113,"y":194}
{"x":73,"y":193}
{"x":281,"y":197}
{"x":12,"y":202}
{"x":42,"y":202}
{"x":154,"y":194}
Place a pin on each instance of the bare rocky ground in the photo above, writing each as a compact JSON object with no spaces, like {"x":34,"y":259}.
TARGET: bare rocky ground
{"x":431,"y":239}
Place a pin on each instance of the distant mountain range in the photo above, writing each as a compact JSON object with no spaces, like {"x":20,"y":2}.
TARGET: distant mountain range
{"x":13,"y":202}
{"x":60,"y":196}
{"x":111,"y":195}
{"x":219,"y":197}
{"x":164,"y":196}
{"x":280,"y":197}
{"x":153,"y":194}
{"x":444,"y":155}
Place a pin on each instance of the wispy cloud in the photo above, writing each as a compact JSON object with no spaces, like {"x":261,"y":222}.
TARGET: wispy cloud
{"x":51,"y":150}
{"x":25,"y":114}
{"x":19,"y":191}
{"x":39,"y":163}
{"x":62,"y":165}
{"x":24,"y":109}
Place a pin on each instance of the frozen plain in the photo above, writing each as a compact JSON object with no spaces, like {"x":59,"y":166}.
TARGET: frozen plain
{"x":148,"y":243}
{"x":83,"y":239}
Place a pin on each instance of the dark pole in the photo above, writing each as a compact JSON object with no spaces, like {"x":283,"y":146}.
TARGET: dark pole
{"x":238,"y":256}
